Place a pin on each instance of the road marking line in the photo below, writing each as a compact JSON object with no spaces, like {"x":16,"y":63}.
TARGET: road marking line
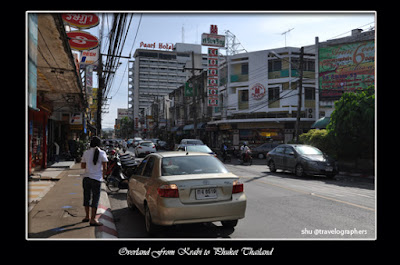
{"x":313,"y":194}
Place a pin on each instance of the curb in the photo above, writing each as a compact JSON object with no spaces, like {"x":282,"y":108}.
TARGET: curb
{"x":357,"y":175}
{"x":105,"y":216}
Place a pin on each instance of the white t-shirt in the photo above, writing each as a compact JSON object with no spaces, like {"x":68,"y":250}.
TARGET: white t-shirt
{"x":94,"y":171}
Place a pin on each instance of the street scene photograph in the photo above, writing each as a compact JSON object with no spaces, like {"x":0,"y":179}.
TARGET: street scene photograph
{"x":200,"y":126}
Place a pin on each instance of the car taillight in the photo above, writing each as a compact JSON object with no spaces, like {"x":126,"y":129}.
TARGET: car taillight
{"x":168,"y":191}
{"x":237,"y":187}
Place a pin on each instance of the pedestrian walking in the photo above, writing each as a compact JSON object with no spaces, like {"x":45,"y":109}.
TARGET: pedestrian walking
{"x":94,"y":161}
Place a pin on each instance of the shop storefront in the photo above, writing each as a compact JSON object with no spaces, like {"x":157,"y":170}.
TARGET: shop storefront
{"x":254,"y":133}
{"x":37,"y":139}
{"x":54,"y":89}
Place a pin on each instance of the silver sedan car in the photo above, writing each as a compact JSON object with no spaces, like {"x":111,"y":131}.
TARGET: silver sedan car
{"x":181,"y":187}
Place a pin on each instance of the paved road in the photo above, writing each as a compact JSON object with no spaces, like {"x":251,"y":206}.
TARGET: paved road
{"x":280,"y":206}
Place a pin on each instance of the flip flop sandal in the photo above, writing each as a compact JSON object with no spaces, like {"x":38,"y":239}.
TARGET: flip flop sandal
{"x":96,"y":224}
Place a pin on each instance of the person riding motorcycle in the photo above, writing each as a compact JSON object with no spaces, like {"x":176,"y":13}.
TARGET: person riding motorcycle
{"x":243,"y":150}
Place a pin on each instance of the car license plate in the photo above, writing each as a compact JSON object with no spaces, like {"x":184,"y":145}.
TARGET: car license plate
{"x":329,"y":169}
{"x":204,"y":194}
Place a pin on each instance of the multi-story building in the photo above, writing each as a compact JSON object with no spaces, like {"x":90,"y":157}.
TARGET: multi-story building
{"x":260,"y":97}
{"x":156,"y":73}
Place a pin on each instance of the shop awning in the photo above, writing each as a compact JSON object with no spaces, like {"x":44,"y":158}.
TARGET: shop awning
{"x":321,"y":123}
{"x":200,"y":125}
{"x":57,"y":69}
{"x":177,"y":128}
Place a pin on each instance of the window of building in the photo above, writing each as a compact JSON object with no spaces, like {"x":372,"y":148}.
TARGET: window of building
{"x":243,"y":100}
{"x":308,"y":64}
{"x":274,"y":65}
{"x":273,"y":93}
{"x":309,"y":93}
{"x":240,"y":72}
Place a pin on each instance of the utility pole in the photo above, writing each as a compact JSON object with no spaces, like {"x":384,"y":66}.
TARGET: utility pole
{"x":101,"y":83}
{"x":194,"y":99}
{"x":300,"y":94}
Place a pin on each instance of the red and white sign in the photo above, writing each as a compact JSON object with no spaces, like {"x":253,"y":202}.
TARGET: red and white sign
{"x":212,"y":62}
{"x":212,"y":81}
{"x":213,"y":29}
{"x":258,"y":91}
{"x":83,"y":20}
{"x":212,"y":101}
{"x":90,"y":57}
{"x":212,"y":72}
{"x":212,"y":52}
{"x":80,"y":40}
{"x":212,"y":91}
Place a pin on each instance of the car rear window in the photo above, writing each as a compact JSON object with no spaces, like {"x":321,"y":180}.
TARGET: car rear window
{"x":186,"y":165}
{"x":198,"y":148}
{"x":308,"y":150}
{"x":146,"y":144}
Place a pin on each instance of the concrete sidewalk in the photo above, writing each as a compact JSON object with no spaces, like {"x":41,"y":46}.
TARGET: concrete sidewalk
{"x":60,"y":212}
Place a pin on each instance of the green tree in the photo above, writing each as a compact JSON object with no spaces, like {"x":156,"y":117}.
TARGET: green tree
{"x":126,"y":129}
{"x":320,"y":139}
{"x":352,"y":125}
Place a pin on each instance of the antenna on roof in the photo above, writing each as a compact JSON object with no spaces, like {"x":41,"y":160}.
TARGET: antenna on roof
{"x":286,"y":32}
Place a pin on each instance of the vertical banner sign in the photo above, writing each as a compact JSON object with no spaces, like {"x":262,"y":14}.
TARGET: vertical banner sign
{"x":212,"y":71}
{"x":212,"y":77}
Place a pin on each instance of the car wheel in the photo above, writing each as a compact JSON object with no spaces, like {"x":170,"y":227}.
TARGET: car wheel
{"x":299,"y":170}
{"x":331,"y":176}
{"x":131,"y":205}
{"x":260,"y":156}
{"x":271,"y":166}
{"x":229,"y":224}
{"x":150,"y":227}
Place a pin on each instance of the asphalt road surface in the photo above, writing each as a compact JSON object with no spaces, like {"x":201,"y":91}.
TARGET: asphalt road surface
{"x":279,"y":206}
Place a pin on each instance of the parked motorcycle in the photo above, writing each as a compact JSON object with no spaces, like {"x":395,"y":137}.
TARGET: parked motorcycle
{"x":120,"y":168}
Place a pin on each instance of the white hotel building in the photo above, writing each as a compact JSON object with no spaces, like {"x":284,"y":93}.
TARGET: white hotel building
{"x":156,"y":73}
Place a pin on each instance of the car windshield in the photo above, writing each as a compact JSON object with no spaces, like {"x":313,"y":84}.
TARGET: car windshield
{"x":308,"y":150}
{"x":184,"y":165}
{"x":198,"y":148}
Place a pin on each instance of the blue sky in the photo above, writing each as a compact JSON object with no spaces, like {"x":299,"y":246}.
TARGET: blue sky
{"x":255,"y":31}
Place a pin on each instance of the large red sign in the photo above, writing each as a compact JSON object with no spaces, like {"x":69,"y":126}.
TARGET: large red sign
{"x":83,"y":21}
{"x":80,"y":40}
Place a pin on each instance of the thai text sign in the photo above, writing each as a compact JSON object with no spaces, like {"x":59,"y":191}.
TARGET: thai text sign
{"x":83,"y":21}
{"x":213,"y":40}
{"x":346,"y":67}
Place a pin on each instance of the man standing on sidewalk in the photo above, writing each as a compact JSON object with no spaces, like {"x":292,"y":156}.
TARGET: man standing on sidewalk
{"x":93,"y":160}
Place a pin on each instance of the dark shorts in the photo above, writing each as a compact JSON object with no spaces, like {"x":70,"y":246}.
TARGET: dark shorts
{"x":91,"y":189}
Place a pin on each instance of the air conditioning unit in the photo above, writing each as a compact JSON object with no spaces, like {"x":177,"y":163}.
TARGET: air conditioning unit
{"x":310,"y":113}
